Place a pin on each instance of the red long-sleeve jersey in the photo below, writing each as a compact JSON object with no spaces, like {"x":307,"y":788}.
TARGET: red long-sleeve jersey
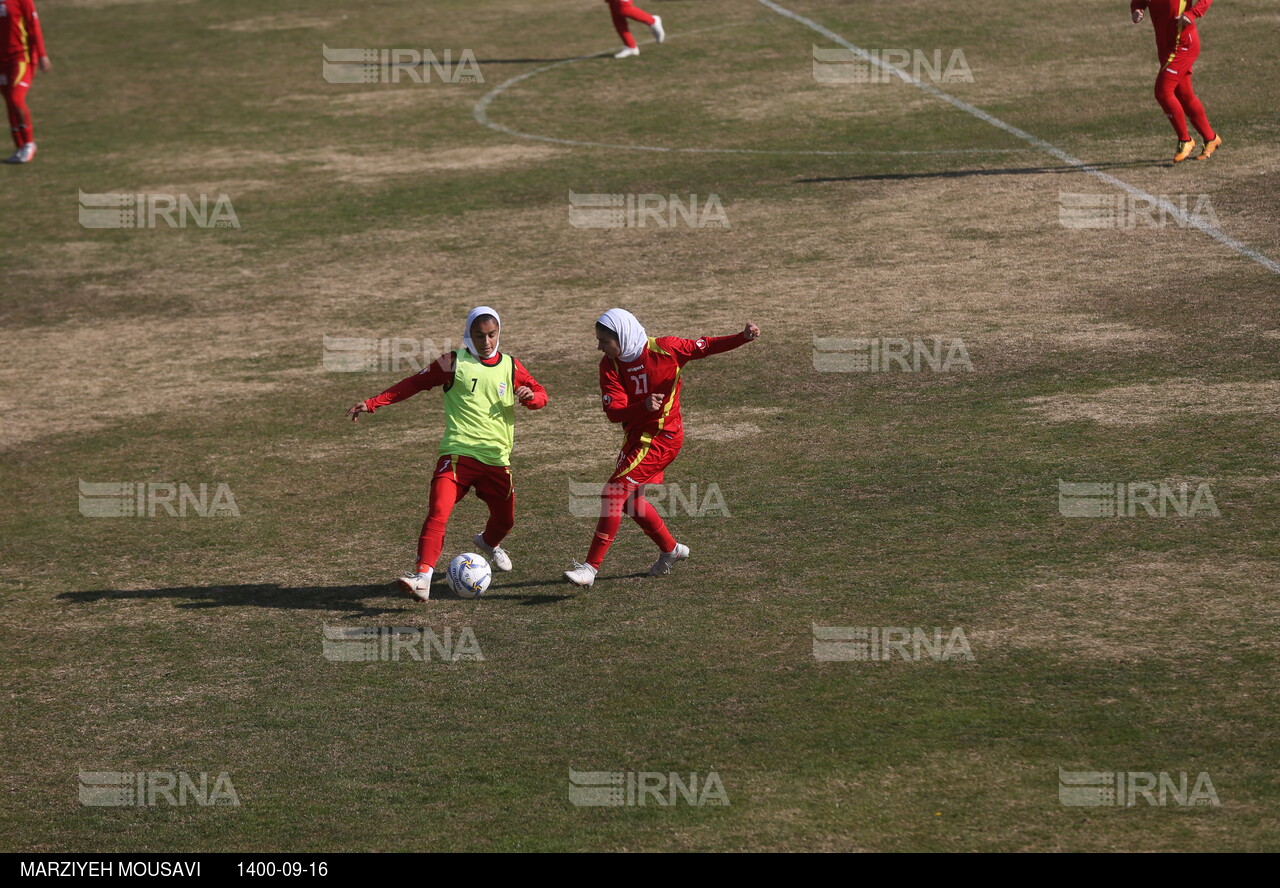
{"x":440,"y":373}
{"x":626,"y":385}
{"x":1164,"y":18}
{"x":20,"y":36}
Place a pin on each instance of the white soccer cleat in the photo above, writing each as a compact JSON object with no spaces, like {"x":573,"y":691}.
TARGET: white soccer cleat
{"x":658,"y":34}
{"x":627,"y":52}
{"x":663,"y":565}
{"x":23,"y":154}
{"x":497,"y":555}
{"x":417,"y":585}
{"x":581,"y":575}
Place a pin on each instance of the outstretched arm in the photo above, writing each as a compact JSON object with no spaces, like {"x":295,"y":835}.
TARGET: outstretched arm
{"x":439,"y":373}
{"x":693,"y":349}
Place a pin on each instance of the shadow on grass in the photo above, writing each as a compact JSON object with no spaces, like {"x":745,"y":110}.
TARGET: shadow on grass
{"x":1000,"y":171}
{"x":352,"y":599}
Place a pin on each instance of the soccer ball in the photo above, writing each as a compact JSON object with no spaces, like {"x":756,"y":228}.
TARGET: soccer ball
{"x":469,"y":575}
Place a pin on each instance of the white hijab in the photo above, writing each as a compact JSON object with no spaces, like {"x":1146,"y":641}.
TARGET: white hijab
{"x":631,"y":336}
{"x":471,"y":318}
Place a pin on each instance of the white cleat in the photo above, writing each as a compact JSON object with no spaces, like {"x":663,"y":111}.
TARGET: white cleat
{"x":658,"y":34}
{"x":497,"y":555}
{"x":581,"y":575}
{"x":663,"y":565}
{"x":23,"y":154}
{"x":417,"y":585}
{"x":627,"y":52}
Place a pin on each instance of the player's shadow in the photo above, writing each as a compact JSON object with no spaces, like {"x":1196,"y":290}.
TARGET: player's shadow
{"x":357,"y":601}
{"x":961,"y":174}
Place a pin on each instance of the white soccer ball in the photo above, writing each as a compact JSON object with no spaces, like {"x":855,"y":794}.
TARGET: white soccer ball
{"x":469,"y":575}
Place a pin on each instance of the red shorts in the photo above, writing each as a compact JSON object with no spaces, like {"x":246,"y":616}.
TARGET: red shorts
{"x":1183,"y":58}
{"x":643,"y":462}
{"x":15,"y":74}
{"x":490,"y":482}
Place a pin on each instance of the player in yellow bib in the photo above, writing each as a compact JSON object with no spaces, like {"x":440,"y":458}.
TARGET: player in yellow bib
{"x":481,"y":389}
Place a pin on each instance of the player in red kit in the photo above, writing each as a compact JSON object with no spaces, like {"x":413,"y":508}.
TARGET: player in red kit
{"x":1178,"y":46}
{"x":640,"y":388}
{"x":621,"y":10}
{"x":21,"y":52}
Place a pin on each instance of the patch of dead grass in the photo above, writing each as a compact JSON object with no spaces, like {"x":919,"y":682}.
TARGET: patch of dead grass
{"x":1153,"y":607}
{"x":1133,"y":405}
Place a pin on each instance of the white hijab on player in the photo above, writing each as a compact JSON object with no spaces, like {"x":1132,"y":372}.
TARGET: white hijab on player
{"x":479,"y":311}
{"x":631,"y":336}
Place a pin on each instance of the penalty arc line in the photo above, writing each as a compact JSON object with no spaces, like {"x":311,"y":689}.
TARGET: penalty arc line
{"x":481,"y":114}
{"x":1052,"y":150}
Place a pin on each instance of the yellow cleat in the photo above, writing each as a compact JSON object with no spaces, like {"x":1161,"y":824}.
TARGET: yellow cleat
{"x":1184,"y":150}
{"x":1209,"y":148}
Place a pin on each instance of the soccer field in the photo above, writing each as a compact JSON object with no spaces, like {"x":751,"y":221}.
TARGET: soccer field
{"x":984,"y":527}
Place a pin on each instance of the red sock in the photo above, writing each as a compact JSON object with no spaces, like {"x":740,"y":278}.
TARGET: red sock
{"x":612,"y":499}
{"x":19,"y":117}
{"x":1186,"y":96}
{"x":444,"y":494}
{"x":650,"y":521}
{"x":1166,"y":84}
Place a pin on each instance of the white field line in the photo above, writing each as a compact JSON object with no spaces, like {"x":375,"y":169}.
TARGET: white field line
{"x":1052,"y":150}
{"x":481,"y":114}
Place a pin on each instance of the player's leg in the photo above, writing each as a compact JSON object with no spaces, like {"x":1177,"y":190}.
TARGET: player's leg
{"x":1166,"y":95}
{"x":655,"y":529}
{"x":636,"y":14}
{"x":445,"y":493}
{"x":17,"y":82}
{"x":14,"y":120}
{"x":652,"y":470}
{"x":620,"y":24}
{"x":1186,"y":96}
{"x":621,"y":10}
{"x":613,"y":501}
{"x":494,"y":488}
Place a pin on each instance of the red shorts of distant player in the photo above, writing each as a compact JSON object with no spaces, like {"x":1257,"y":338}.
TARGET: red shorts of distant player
{"x":621,"y":10}
{"x":15,"y":80}
{"x":453,"y":477}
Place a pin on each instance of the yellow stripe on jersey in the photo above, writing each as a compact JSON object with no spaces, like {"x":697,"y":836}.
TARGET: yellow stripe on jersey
{"x":1182,"y":8}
